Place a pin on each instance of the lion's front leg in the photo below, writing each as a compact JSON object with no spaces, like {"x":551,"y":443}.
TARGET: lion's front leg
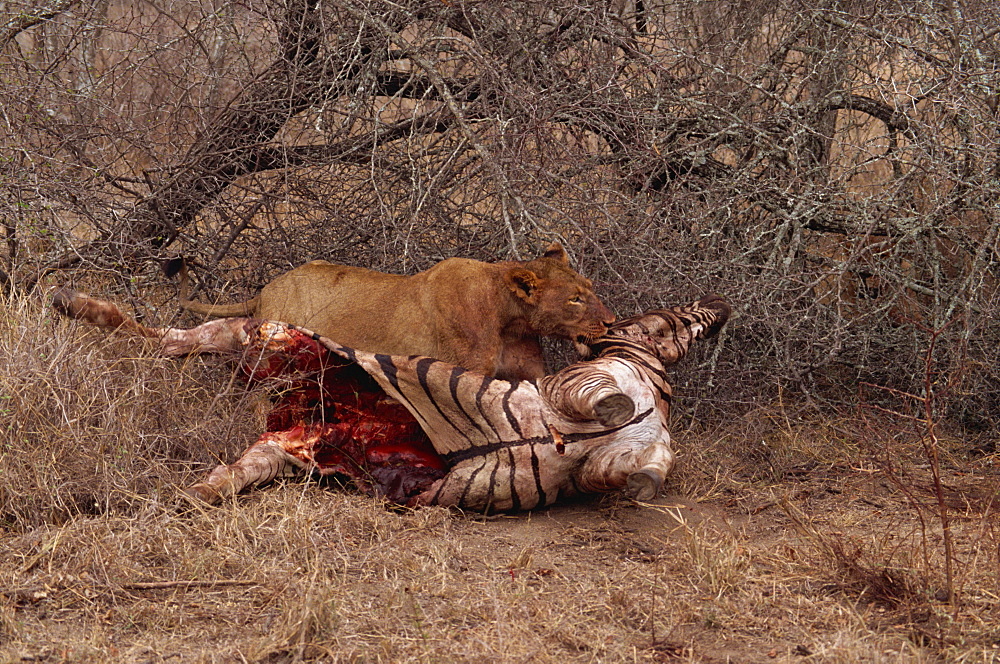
{"x":640,"y":471}
{"x":520,"y":359}
{"x":261,"y":463}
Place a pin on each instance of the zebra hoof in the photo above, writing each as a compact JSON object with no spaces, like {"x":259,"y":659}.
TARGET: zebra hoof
{"x":614,"y":410}
{"x":643,"y":485}
{"x":203,"y":493}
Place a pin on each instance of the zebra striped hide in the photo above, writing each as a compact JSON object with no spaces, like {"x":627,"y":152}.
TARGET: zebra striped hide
{"x":598,"y":425}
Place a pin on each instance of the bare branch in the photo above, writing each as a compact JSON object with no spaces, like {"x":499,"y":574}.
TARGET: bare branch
{"x":17,"y":24}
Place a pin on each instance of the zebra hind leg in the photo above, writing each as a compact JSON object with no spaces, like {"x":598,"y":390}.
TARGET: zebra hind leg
{"x":655,"y":463}
{"x":260,"y":464}
{"x":614,"y":410}
{"x":644,"y":484}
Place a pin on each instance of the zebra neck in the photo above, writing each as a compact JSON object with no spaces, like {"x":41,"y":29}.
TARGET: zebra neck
{"x":635,"y":354}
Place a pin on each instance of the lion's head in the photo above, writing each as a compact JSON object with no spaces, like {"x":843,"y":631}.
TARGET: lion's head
{"x":561,"y":301}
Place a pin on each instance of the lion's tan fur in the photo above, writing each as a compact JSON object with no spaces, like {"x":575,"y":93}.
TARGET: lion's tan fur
{"x":483,"y":316}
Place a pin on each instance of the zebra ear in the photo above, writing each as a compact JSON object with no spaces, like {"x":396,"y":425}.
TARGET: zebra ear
{"x":720,"y":308}
{"x":523,"y":282}
{"x":556,"y":252}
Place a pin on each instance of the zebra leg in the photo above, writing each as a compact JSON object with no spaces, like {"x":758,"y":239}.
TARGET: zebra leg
{"x":581,"y":392}
{"x":466,"y":488}
{"x":640,"y":471}
{"x":217,"y":336}
{"x":486,"y":485}
{"x":655,"y":463}
{"x":262,"y":462}
{"x":614,"y":409}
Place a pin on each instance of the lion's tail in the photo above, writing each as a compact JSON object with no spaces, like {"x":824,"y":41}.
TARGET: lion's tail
{"x":178,"y":267}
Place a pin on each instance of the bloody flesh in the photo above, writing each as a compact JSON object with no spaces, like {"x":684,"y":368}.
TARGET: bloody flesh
{"x":330,"y":413}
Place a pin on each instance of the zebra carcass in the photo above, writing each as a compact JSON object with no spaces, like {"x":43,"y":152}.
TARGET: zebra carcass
{"x":425,"y":432}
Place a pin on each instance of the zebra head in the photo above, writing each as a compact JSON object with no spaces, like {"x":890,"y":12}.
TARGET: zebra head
{"x":666,"y":333}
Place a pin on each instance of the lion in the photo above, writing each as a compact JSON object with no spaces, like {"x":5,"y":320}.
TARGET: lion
{"x":486,"y":317}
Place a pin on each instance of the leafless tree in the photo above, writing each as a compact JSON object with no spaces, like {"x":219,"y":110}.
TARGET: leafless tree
{"x":832,"y":167}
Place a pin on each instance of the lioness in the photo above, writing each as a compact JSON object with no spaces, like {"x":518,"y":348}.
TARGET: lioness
{"x":486,"y":317}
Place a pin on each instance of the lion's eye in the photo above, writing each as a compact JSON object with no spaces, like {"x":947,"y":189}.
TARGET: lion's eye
{"x":576,"y":299}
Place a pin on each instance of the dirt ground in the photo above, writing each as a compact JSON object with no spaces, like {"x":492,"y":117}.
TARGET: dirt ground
{"x":826,"y":566}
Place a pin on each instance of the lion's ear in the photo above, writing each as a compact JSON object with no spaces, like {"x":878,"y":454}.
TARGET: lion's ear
{"x":555,"y":251}
{"x":523,"y":282}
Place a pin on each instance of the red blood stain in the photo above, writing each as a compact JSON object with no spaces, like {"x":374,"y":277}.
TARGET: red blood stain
{"x":329,"y":412}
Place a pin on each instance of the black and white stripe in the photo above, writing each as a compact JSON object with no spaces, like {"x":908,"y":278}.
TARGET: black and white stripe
{"x":519,"y":445}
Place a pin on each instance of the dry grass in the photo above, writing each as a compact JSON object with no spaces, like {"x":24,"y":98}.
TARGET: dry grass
{"x":783,"y":540}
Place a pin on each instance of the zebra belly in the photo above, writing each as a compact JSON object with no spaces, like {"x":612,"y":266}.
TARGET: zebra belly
{"x":517,"y":478}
